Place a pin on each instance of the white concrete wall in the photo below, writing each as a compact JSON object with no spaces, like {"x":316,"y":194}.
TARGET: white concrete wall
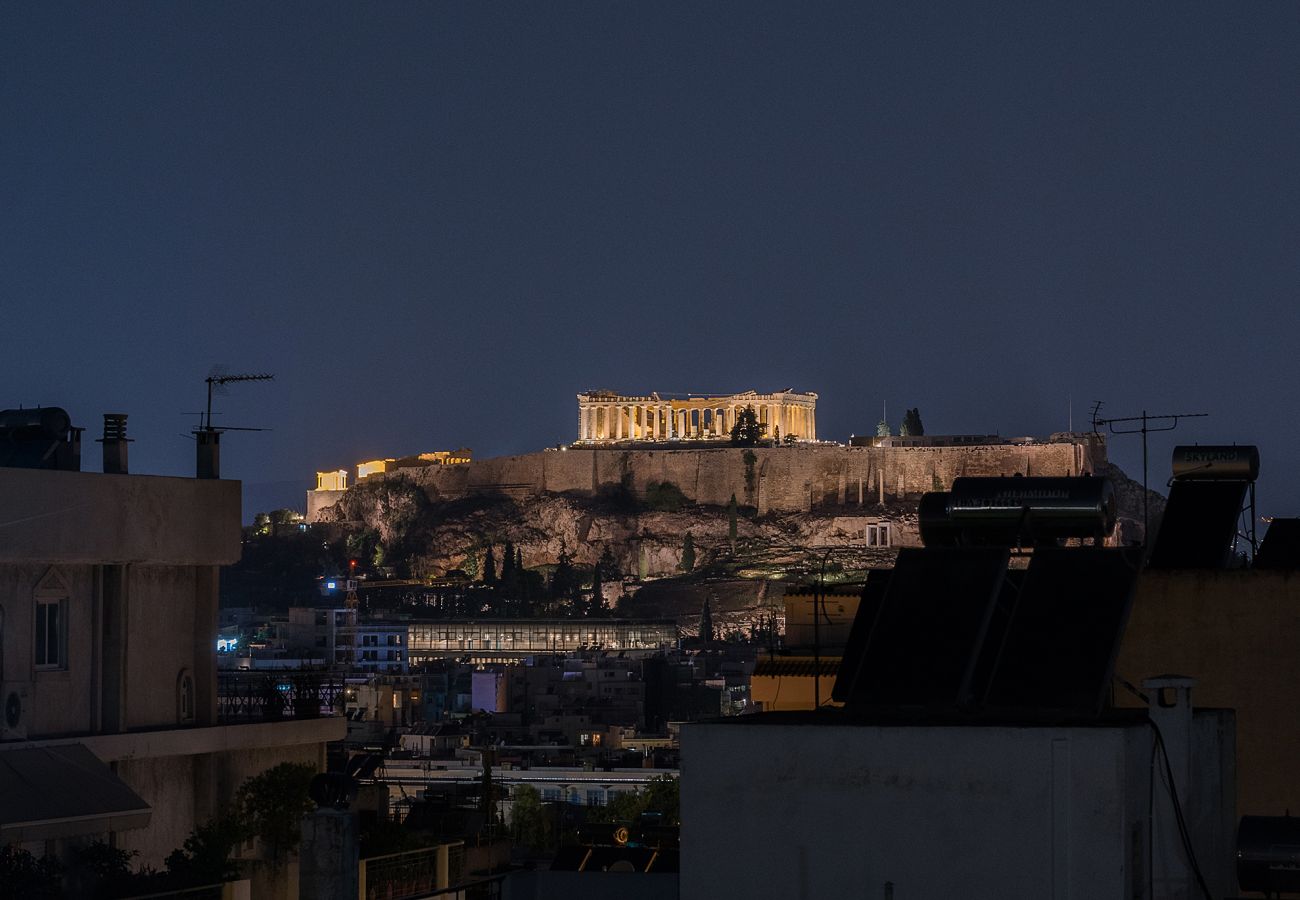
{"x":802,"y":811}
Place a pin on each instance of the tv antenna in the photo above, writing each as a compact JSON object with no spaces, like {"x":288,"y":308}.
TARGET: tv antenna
{"x":217,"y":380}
{"x":1165,"y":422}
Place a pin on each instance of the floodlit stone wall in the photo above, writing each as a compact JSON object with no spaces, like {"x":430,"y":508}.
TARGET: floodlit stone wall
{"x":798,"y":478}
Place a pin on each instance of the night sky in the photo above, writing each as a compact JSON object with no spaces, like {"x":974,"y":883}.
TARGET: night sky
{"x":436,"y":223}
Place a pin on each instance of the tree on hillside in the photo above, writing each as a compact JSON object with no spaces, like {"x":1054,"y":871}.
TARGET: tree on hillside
{"x":688,"y":553}
{"x":597,"y":601}
{"x":609,"y":566}
{"x":912,"y":424}
{"x":490,"y":566}
{"x":747,"y":431}
{"x":706,"y":623}
{"x":508,"y":573}
{"x":562,"y":578}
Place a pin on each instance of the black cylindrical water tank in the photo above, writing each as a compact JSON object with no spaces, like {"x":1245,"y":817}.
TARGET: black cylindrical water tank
{"x":48,"y":422}
{"x":1206,"y":462}
{"x":1039,"y":509}
{"x":1268,"y":854}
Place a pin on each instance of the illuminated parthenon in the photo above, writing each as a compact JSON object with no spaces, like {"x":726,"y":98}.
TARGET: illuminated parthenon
{"x":608,"y":417}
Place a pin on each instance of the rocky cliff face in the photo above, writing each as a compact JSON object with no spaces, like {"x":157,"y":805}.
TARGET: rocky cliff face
{"x":432,"y":538}
{"x":436,"y":538}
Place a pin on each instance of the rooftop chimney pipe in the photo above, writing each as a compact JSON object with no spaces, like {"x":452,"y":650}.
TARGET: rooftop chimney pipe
{"x":115,"y":441}
{"x":207,"y":442}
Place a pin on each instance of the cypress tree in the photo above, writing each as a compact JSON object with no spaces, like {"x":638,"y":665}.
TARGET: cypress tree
{"x":597,"y":592}
{"x":508,"y":572}
{"x":706,"y":623}
{"x":688,"y":553}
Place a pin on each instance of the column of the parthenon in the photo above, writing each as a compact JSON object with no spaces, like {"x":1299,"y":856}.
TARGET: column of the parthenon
{"x":606,"y":417}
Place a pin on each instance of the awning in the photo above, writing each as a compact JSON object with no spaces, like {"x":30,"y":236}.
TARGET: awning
{"x":61,"y":791}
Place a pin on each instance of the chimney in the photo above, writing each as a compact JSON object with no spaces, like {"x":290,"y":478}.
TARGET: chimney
{"x":207,"y":441}
{"x":115,"y":441}
{"x":1170,"y":711}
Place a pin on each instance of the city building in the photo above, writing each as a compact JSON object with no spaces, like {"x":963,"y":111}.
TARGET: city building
{"x":812,"y":644}
{"x":838,"y":804}
{"x":115,"y":722}
{"x":509,"y":640}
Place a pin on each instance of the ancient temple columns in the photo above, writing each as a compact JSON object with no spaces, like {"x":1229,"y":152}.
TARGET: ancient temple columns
{"x":604,"y":417}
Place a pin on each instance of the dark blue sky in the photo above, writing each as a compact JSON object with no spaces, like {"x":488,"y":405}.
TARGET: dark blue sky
{"x":436,"y":223}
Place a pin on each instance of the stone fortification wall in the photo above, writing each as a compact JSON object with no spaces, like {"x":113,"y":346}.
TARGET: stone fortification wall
{"x":799,"y":478}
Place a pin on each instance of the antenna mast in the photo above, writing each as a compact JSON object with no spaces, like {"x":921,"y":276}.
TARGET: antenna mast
{"x":206,"y":436}
{"x":1169,"y":421}
{"x":219,"y":381}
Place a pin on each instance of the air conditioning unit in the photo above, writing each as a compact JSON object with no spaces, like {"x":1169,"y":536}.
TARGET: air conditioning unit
{"x":15,"y":708}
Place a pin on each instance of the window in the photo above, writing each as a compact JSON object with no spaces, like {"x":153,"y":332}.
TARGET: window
{"x":596,"y":798}
{"x":50,"y":626}
{"x":878,"y":535}
{"x":551,"y":793}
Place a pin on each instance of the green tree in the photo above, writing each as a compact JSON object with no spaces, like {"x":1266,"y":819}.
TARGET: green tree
{"x":562,"y":578}
{"x":747,"y":431}
{"x":664,"y":496}
{"x":490,"y":566}
{"x":706,"y":623}
{"x":23,"y":875}
{"x":688,"y":553}
{"x":597,"y":601}
{"x":204,"y":858}
{"x":660,"y":795}
{"x":609,"y":566}
{"x":528,"y":819}
{"x":271,"y":806}
{"x":508,"y":565}
{"x":912,"y":424}
{"x":285,"y":516}
{"x":882,"y":429}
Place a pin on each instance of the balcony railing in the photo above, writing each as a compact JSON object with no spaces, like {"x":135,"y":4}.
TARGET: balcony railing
{"x":272,"y":696}
{"x":415,"y":873}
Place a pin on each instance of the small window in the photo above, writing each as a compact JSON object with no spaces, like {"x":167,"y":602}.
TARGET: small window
{"x":51,"y":627}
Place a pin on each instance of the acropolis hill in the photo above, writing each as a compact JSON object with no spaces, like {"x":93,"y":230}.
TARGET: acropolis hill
{"x":584,"y":502}
{"x":798,"y":478}
{"x":634,"y":442}
{"x":606,"y":492}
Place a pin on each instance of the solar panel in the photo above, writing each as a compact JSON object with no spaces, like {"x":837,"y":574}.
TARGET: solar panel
{"x":996,"y":634}
{"x":1280,"y":548}
{"x":927,"y":635}
{"x":1199,"y":525}
{"x":1064,"y":634}
{"x":873,"y":596}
